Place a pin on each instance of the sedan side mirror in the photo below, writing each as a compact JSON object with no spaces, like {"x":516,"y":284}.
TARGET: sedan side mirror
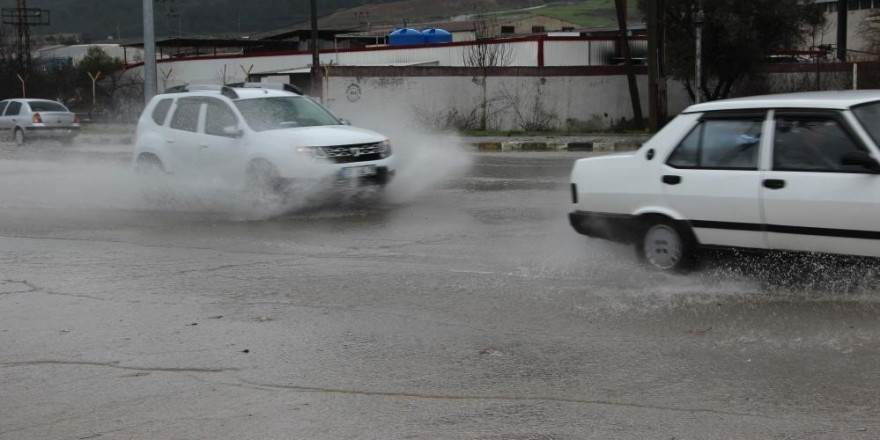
{"x":344,"y":121}
{"x":861,"y":159}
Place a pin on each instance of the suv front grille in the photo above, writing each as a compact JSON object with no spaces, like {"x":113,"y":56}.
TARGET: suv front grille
{"x":353,"y":153}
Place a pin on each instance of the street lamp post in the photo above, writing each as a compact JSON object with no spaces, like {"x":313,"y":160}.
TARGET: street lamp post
{"x":698,"y":61}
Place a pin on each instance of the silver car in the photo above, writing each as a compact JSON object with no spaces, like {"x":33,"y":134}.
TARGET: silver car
{"x":24,"y":119}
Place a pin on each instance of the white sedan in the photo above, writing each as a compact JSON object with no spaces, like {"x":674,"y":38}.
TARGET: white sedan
{"x":795,"y":172}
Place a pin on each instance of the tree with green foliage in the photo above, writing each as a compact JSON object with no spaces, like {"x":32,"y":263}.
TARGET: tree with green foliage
{"x":113,"y":87}
{"x":738,"y":36}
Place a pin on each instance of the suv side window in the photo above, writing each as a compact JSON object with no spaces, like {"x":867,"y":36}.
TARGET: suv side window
{"x":720,"y":143}
{"x":161,"y":110}
{"x":186,"y":115}
{"x":13,"y":109}
{"x":219,"y":116}
{"x":812,"y":143}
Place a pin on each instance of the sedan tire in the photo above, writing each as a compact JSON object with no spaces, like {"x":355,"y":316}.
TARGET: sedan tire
{"x":18,"y":137}
{"x":667,"y":246}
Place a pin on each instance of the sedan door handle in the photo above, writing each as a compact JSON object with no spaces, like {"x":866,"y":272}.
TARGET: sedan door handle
{"x":169,"y":141}
{"x":203,"y":145}
{"x":670,"y":179}
{"x":774,"y":183}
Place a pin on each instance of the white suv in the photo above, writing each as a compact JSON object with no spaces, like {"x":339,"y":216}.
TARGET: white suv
{"x":259,"y":137}
{"x":794,"y":172}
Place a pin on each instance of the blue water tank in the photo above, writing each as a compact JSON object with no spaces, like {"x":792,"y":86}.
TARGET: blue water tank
{"x":434,"y":36}
{"x":406,"y":37}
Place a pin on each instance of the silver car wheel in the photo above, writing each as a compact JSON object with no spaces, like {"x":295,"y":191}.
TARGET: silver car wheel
{"x":663,"y":247}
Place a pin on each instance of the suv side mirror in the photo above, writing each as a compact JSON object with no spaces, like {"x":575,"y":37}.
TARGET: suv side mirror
{"x":233,"y":131}
{"x":860,"y":158}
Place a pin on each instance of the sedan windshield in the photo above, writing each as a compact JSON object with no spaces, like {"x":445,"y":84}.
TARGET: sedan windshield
{"x":284,"y":112}
{"x":869,"y":116}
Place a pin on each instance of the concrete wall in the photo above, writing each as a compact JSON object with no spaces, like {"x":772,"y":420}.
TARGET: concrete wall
{"x":519,"y":52}
{"x":515,"y":98}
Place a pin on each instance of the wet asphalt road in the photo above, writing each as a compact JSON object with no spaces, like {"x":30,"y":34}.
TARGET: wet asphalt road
{"x":463,"y":309}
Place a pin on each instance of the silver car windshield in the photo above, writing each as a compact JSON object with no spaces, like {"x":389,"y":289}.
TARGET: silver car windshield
{"x":46,"y":106}
{"x":869,"y":116}
{"x":284,"y":112}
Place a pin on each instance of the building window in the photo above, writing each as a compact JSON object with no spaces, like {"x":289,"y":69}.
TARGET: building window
{"x":852,"y":5}
{"x":536,"y":29}
{"x":507,"y":29}
{"x":866,"y":4}
{"x":567,"y":29}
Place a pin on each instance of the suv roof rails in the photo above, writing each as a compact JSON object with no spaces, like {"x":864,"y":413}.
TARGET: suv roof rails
{"x":226,"y":91}
{"x":272,"y":86}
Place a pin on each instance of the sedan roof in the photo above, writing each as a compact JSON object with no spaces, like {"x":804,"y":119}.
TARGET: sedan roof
{"x":837,"y":100}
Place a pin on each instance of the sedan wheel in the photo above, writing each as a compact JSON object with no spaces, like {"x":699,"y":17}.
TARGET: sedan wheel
{"x":19,"y":137}
{"x":665,"y":246}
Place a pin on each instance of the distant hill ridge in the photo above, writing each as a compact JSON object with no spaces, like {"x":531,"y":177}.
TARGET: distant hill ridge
{"x":122,"y":19}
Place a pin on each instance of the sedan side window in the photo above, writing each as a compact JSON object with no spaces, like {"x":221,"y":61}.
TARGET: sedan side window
{"x":186,"y":116}
{"x":720,"y":144}
{"x":13,"y":109}
{"x":3,"y":106}
{"x":812,"y":143}
{"x":219,"y":117}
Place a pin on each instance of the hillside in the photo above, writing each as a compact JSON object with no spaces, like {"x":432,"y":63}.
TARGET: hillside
{"x":192,"y":18}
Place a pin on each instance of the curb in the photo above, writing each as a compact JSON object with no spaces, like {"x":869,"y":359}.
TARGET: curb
{"x":585,"y":146}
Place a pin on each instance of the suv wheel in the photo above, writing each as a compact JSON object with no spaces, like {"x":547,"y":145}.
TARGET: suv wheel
{"x":666,"y":246}
{"x":263,"y":182}
{"x":151,"y":174}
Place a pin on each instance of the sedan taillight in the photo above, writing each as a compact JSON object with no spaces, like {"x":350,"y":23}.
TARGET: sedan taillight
{"x":75,"y":119}
{"x":37,"y":119}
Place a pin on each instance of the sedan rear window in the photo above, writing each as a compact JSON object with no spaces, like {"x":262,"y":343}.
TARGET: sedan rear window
{"x":869,"y":116}
{"x":720,"y":144}
{"x":46,"y":106}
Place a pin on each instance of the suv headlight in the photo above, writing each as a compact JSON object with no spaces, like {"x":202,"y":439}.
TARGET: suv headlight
{"x":313,"y":151}
{"x":384,"y":148}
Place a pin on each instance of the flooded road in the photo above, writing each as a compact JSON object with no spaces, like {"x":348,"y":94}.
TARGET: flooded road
{"x":464,"y":307}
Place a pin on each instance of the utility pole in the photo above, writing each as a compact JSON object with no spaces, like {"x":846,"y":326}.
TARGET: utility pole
{"x":841,"y":29}
{"x":149,"y":52}
{"x":656,"y":60}
{"x":317,"y":81}
{"x":23,"y":18}
{"x":620,"y":5}
{"x":698,"y":57}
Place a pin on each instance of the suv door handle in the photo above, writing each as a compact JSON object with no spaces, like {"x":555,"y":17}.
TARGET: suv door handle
{"x":774,"y":183}
{"x":670,"y":179}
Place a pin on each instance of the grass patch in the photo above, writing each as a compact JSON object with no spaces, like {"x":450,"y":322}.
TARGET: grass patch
{"x":589,"y":14}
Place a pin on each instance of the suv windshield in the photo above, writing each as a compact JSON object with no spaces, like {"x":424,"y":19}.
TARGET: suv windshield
{"x":284,"y":112}
{"x":869,"y":116}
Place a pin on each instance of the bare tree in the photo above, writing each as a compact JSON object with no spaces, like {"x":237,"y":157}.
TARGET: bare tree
{"x":483,"y":54}
{"x":486,"y":52}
